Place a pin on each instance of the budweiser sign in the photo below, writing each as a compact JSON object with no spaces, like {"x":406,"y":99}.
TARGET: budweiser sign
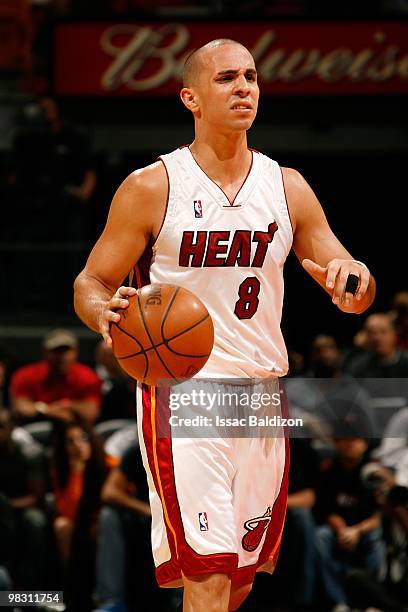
{"x":295,"y":58}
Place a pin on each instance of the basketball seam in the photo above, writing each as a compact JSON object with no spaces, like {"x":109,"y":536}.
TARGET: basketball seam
{"x":151,"y":340}
{"x":168,"y":340}
{"x":166,"y":314}
{"x":165,"y":342}
{"x":142,"y":351}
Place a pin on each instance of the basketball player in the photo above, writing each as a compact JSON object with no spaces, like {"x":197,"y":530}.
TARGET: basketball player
{"x":219,"y":219}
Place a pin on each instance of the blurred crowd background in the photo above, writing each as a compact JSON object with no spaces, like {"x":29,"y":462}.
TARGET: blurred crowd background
{"x":74,"y":510}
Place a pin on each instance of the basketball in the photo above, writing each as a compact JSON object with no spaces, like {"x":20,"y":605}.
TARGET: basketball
{"x":165,"y":335}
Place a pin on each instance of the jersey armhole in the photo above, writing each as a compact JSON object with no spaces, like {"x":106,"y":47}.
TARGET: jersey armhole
{"x":286,"y":200}
{"x":154,"y":242}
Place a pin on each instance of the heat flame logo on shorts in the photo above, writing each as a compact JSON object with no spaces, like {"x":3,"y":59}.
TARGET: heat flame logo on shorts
{"x":255,"y":529}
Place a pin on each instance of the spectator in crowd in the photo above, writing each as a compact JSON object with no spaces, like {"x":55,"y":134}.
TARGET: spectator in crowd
{"x":396,"y":536}
{"x":124,"y":533}
{"x":72,"y":163}
{"x":3,"y":388}
{"x":349,"y":535}
{"x":358,"y":349}
{"x":7,"y":361}
{"x":23,"y":525}
{"x":399,"y":314}
{"x":297,"y":561}
{"x":392,"y":497}
{"x":58,"y":387}
{"x":78,"y":470}
{"x":392,"y":453}
{"x":385,"y":359}
{"x":325,"y":395}
{"x":296,"y":362}
{"x":118,"y":389}
{"x":53,"y":169}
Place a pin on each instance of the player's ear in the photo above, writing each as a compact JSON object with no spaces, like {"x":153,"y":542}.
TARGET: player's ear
{"x":189,"y":99}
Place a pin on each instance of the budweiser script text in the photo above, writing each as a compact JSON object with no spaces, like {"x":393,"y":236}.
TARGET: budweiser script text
{"x":147,"y":57}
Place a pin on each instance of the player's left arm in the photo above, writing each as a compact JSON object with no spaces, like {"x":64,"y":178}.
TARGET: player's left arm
{"x":320,"y":252}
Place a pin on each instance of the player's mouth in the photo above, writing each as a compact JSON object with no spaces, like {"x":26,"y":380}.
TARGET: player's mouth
{"x":242,"y":107}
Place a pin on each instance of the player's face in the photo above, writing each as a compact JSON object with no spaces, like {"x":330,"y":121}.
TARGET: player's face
{"x":227,"y":91}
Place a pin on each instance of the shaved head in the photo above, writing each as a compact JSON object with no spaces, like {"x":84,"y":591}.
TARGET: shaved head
{"x":194,"y":62}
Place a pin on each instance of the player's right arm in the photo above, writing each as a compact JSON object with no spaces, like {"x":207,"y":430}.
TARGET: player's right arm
{"x":134,"y":219}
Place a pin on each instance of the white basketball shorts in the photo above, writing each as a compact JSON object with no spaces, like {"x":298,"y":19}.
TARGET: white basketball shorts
{"x":218,"y":504}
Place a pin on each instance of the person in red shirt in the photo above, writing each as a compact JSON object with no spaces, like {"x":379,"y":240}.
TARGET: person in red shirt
{"x":58,"y":387}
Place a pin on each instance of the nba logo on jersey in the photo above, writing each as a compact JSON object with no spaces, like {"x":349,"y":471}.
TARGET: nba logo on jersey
{"x":198,"y":209}
{"x":203,"y":521}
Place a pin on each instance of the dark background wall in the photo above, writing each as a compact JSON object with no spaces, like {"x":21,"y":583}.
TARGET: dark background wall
{"x":351,"y":149}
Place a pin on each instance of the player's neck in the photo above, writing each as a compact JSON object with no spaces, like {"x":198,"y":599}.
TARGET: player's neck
{"x":222,"y":155}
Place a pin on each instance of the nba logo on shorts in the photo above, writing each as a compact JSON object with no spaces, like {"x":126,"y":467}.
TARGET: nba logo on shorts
{"x":198,"y":209}
{"x":203,"y":521}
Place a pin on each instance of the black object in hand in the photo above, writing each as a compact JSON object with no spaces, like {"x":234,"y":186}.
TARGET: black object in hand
{"x":352,"y":284}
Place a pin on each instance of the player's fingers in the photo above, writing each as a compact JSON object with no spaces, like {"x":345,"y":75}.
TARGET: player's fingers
{"x":314,"y":269}
{"x":332,"y":271}
{"x":364,"y":282}
{"x":340,"y":285}
{"x":125,"y":292}
{"x":109,"y":317}
{"x":118,"y":302}
{"x":107,"y":339}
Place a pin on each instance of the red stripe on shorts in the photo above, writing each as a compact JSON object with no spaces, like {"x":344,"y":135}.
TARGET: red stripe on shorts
{"x":184,"y":558}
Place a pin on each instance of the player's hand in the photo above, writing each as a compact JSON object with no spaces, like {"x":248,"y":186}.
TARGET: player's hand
{"x":334,"y":278}
{"x":110,"y":315}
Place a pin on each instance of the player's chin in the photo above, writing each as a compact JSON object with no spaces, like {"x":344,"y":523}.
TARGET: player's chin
{"x":242,"y":123}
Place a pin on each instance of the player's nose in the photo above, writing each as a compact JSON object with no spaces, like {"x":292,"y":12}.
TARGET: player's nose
{"x":241,"y":86}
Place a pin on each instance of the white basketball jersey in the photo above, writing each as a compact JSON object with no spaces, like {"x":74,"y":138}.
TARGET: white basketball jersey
{"x":231,"y":255}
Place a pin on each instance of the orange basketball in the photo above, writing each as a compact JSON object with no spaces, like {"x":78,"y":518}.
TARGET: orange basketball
{"x":165,"y":335}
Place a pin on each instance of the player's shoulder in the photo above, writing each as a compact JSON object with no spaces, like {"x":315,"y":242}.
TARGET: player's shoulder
{"x":304,"y":207}
{"x":293,"y":179}
{"x":142,"y":196}
{"x":149,"y":179}
{"x":296,"y":189}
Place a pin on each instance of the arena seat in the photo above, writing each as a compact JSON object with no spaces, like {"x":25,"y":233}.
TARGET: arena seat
{"x":40,"y":431}
{"x":107,"y":428}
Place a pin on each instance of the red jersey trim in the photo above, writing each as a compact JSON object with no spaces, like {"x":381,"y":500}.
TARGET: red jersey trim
{"x":216,"y":184}
{"x":167,"y":200}
{"x":286,"y":200}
